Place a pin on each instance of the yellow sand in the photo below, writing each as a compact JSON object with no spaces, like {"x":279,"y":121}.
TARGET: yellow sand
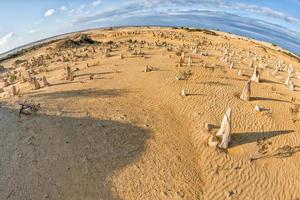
{"x":129,"y":135}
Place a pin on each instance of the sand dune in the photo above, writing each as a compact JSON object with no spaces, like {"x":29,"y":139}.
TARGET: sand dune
{"x":117,"y":132}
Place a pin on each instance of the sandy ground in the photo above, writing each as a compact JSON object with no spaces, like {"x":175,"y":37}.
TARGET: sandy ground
{"x":127,"y":134}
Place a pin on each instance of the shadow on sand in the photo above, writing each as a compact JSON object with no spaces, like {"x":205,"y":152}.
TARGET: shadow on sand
{"x":267,"y":99}
{"x":64,"y":83}
{"x":281,"y":152}
{"x":92,"y":74}
{"x":269,"y":81}
{"x":83,"y":93}
{"x":249,"y":137}
{"x":214,"y":83}
{"x":64,"y":157}
{"x":195,"y":94}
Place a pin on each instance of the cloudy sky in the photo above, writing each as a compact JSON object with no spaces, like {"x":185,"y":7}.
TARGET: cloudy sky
{"x":276,"y":21}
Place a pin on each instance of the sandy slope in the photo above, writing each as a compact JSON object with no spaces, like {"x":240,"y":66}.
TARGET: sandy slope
{"x":127,"y":134}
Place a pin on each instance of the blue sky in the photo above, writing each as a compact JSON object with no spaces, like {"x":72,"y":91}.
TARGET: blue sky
{"x":276,"y":21}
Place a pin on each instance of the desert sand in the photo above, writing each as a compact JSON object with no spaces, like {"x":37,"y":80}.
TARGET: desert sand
{"x":112,"y":122}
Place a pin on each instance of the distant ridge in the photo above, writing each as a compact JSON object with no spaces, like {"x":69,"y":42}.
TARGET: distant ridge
{"x":5,"y":55}
{"x":27,"y":47}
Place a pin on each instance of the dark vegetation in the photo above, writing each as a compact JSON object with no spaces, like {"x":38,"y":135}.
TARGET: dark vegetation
{"x":78,"y":41}
{"x":200,"y":30}
{"x":196,"y":30}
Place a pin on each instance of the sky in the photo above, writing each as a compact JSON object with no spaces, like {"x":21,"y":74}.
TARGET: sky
{"x":26,"y":21}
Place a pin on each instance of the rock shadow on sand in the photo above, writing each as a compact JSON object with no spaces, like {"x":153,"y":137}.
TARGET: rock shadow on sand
{"x":107,"y":93}
{"x":249,"y":137}
{"x":64,"y":83}
{"x":267,"y":99}
{"x":281,"y":152}
{"x":213,"y":83}
{"x":92,"y":74}
{"x":64,"y":157}
{"x":270,"y":81}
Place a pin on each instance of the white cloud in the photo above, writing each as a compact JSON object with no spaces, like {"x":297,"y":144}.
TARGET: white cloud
{"x":33,"y":31}
{"x":96,"y":3}
{"x":63,"y":8}
{"x":6,"y":38}
{"x":218,"y":5}
{"x":49,"y":12}
{"x":136,"y":7}
{"x":261,"y":10}
{"x":123,"y":11}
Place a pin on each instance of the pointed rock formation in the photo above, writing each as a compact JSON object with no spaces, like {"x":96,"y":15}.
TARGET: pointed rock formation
{"x":190,"y":61}
{"x":288,"y":80}
{"x":231,"y":65}
{"x":290,"y":69}
{"x":222,"y":58}
{"x":69,"y":74}
{"x":255,"y":77}
{"x":251,"y":64}
{"x":36,"y":83}
{"x":258,"y":108}
{"x":121,"y":56}
{"x":208,"y":126}
{"x":225,"y":59}
{"x":106,"y":53}
{"x":29,"y":77}
{"x":246,"y":93}
{"x":276,"y":70}
{"x":45,"y":82}
{"x":226,"y":52}
{"x":224,"y":133}
{"x":147,"y":69}
{"x":31,"y":70}
{"x":291,"y":85}
{"x":181,"y":61}
{"x":183,"y":93}
{"x":5,"y":82}
{"x":182,"y":56}
{"x":14,"y":91}
{"x":240,"y":72}
{"x":278,"y":66}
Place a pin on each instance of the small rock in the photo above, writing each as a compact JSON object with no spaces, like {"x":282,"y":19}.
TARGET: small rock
{"x":230,"y":193}
{"x":180,"y":194}
{"x":183,"y":93}
{"x":258,"y":108}
{"x":240,"y":73}
{"x":208,"y":126}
